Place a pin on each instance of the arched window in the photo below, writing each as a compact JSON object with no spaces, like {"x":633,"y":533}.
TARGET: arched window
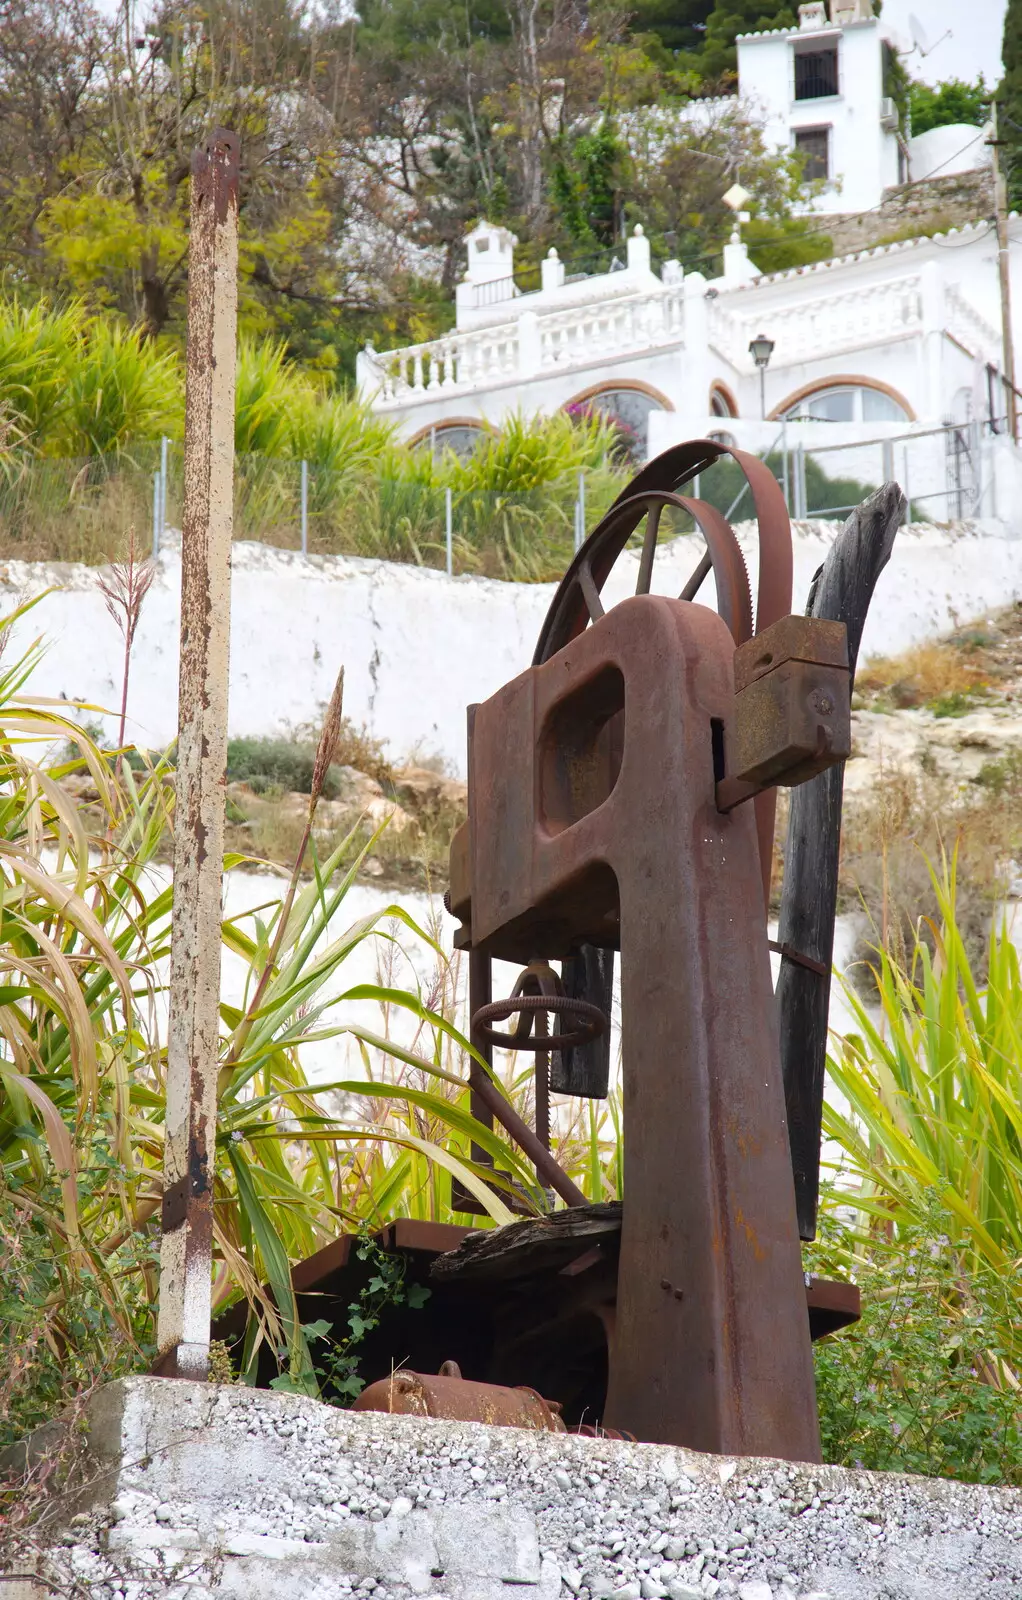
{"x":846,"y":402}
{"x":629,"y":406}
{"x":463,"y":438}
{"x":722,"y":402}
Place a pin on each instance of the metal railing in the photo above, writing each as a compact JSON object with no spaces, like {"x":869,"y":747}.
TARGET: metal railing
{"x":81,"y":510}
{"x":816,"y":74}
{"x":494,"y":293}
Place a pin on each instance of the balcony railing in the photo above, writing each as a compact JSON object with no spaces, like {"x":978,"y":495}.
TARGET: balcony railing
{"x":530,"y":347}
{"x":494,"y":293}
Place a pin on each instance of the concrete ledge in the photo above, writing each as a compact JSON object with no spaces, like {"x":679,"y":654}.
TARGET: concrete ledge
{"x":196,"y":1490}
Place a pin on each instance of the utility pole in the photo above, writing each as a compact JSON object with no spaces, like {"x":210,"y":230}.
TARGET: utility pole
{"x":1004,"y":275}
{"x":186,"y":1251}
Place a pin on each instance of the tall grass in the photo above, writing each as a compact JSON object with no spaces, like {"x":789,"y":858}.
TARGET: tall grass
{"x":933,"y":1089}
{"x":75,"y":385}
{"x":83,"y":404}
{"x":84,"y":942}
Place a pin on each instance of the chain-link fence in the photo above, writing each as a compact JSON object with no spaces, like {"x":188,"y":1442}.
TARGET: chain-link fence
{"x":82,"y":510}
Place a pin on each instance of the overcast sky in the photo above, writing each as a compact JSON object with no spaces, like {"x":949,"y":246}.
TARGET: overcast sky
{"x":975,"y":43}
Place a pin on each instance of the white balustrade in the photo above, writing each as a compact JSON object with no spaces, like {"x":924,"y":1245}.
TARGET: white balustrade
{"x":827,"y":325}
{"x":569,"y":338}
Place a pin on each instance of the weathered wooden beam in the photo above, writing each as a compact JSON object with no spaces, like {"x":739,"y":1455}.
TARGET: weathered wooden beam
{"x":841,"y":591}
{"x":193,"y":1033}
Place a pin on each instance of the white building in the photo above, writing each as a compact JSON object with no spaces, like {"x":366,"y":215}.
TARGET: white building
{"x":873,"y":355}
{"x":820,"y":88}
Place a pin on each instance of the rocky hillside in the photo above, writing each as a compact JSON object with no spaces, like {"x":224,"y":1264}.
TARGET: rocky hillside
{"x":936,"y":770}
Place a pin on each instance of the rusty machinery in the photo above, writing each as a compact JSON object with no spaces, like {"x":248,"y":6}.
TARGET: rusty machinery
{"x":621,"y":798}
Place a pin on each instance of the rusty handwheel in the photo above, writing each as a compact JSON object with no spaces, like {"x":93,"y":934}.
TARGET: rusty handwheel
{"x":538,"y":993}
{"x":590,"y":1020}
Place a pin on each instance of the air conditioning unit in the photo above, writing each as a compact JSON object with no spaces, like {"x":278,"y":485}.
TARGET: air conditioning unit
{"x":888,"y":115}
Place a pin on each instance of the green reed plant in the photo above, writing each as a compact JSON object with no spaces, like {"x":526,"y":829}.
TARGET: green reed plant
{"x":85,"y":919}
{"x":933,"y":1090}
{"x":120,"y":392}
{"x":37,"y":348}
{"x":75,"y":385}
{"x":266,"y":389}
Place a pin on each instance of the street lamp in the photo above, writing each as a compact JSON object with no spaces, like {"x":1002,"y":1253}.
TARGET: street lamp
{"x":761,"y":349}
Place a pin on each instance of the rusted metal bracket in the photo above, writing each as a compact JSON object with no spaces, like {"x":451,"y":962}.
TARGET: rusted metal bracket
{"x":792,"y":712}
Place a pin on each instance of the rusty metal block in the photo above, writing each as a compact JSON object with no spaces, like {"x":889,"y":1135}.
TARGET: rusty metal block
{"x":456,"y":1399}
{"x":792,"y":714}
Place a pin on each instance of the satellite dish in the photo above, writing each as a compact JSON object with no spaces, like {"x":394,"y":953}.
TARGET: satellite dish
{"x":921,"y":39}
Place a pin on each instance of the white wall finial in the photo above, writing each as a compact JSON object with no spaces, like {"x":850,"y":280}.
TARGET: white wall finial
{"x":638,"y":250}
{"x":551,"y":270}
{"x":813,"y":15}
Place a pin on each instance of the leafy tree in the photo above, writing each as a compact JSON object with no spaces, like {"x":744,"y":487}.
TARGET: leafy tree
{"x":1009,"y":96}
{"x":96,"y":193}
{"x":680,"y":172}
{"x":584,"y":183}
{"x":673,"y":24}
{"x":726,"y":21}
{"x":946,"y":103}
{"x":775,"y":244}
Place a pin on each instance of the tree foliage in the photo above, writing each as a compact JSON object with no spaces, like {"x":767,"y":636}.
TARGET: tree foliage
{"x":940,"y":105}
{"x":369,"y":146}
{"x":1009,"y":96}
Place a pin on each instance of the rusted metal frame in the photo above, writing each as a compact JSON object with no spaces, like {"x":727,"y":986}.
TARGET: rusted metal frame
{"x":704,"y":1102}
{"x":578,"y":601}
{"x":193,"y":1031}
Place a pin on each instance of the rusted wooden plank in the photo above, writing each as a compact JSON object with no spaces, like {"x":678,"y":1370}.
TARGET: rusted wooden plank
{"x":841,"y":591}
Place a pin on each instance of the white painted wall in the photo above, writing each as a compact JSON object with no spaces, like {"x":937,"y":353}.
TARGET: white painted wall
{"x":957,"y":147}
{"x":864,"y":155}
{"x":416,"y":646}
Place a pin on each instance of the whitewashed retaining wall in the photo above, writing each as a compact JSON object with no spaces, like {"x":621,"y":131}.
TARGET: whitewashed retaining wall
{"x":205,"y":1493}
{"x":416,"y":646}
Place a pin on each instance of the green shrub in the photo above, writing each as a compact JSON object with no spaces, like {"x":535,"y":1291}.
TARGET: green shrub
{"x":918,"y":1385}
{"x":274,"y":764}
{"x":958,"y":703}
{"x":288,"y":763}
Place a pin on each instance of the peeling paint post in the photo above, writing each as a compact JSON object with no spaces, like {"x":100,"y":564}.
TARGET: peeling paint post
{"x":187,"y":1247}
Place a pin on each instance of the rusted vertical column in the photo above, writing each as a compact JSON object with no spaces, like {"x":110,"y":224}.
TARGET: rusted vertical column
{"x":186,"y":1252}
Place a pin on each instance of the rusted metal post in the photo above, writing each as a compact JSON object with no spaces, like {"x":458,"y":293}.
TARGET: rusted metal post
{"x":189,"y":1154}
